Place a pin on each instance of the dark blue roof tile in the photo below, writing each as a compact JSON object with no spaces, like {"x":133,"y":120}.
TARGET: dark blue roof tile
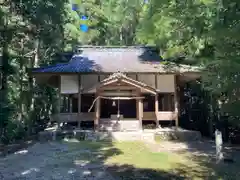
{"x":110,"y":59}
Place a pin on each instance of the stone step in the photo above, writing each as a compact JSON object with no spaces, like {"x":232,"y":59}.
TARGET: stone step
{"x":119,"y":125}
{"x":148,"y":137}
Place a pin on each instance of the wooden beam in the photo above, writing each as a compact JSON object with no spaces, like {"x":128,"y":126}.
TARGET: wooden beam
{"x":156,"y":110}
{"x":79,"y":100}
{"x":97,"y":112}
{"x":156,"y":82}
{"x":70,"y":103}
{"x":138,"y":86}
{"x":137,"y":108}
{"x":168,"y":102}
{"x":176,"y":101}
{"x":59,"y":95}
{"x":109,"y":82}
{"x":116,"y":87}
{"x":140,"y":104}
{"x":59,"y":99}
{"x":138,"y":93}
{"x":163,"y":102}
{"x":99,"y":79}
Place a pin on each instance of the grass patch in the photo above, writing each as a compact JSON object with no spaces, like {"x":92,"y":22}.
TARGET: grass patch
{"x":137,"y":155}
{"x":136,"y":161}
{"x":133,"y":160}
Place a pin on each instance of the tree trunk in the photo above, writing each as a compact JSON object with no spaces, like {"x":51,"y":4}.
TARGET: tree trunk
{"x":20,"y":117}
{"x":4,"y":103}
{"x":33,"y":63}
{"x":210,"y":118}
{"x":4,"y":92}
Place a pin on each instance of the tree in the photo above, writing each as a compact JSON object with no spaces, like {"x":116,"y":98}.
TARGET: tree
{"x":205,"y":31}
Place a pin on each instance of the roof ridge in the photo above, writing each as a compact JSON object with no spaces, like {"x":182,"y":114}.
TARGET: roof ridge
{"x":79,"y":49}
{"x":113,"y":46}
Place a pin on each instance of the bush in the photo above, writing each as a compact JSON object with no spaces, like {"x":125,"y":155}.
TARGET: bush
{"x":14,"y":131}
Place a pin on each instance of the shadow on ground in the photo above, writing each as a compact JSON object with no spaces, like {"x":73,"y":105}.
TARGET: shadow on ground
{"x":202,"y":170}
{"x":102,"y":151}
{"x":203,"y":153}
{"x":204,"y":166}
{"x":87,"y":160}
{"x":131,"y":173}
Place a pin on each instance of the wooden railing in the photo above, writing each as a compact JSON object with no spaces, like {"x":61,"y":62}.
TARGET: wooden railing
{"x":72,"y":117}
{"x":161,"y":115}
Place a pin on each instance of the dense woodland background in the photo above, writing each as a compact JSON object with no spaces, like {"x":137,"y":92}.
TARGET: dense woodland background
{"x":202,"y":32}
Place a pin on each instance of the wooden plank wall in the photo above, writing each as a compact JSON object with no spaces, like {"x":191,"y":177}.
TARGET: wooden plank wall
{"x":162,"y":82}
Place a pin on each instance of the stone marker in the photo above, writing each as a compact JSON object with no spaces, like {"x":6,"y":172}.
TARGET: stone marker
{"x":219,"y":144}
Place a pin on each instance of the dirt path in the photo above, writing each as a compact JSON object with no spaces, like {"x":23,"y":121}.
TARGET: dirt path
{"x":51,"y":161}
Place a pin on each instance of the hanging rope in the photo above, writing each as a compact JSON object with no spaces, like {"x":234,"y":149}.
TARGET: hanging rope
{"x":113,"y":98}
{"x":93,"y":103}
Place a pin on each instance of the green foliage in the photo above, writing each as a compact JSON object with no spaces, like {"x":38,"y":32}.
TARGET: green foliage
{"x":207,"y":31}
{"x":14,"y":132}
{"x":177,"y":27}
{"x":31,"y":35}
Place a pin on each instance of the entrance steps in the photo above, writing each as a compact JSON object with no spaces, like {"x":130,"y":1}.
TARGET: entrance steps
{"x":118,"y":125}
{"x":132,"y":136}
{"x":96,"y":136}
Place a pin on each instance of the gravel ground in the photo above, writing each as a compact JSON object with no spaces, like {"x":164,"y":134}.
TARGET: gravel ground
{"x":51,"y":161}
{"x":198,"y":148}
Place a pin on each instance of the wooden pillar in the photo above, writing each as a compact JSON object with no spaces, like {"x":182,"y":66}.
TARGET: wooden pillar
{"x":59,"y":101}
{"x":79,"y":100}
{"x":59,"y":95}
{"x":176,"y":101}
{"x":156,"y":110}
{"x":138,"y":93}
{"x":163,"y":102}
{"x":140,"y":112}
{"x":97,"y":113}
{"x":70,"y":103}
{"x":137,"y":108}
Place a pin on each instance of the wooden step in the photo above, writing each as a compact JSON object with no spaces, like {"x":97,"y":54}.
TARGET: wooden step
{"x":124,"y":125}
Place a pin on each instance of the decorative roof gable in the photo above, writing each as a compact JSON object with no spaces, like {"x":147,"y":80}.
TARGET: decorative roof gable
{"x":122,"y":78}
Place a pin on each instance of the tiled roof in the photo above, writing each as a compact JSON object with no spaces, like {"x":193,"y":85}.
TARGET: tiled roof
{"x":113,"y":59}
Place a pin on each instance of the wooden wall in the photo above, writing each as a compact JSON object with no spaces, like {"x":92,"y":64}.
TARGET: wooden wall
{"x":164,"y":116}
{"x":69,"y":84}
{"x":162,"y":82}
{"x":73,"y":117}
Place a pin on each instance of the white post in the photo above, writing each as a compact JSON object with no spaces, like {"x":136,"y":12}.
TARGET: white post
{"x":219,"y":144}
